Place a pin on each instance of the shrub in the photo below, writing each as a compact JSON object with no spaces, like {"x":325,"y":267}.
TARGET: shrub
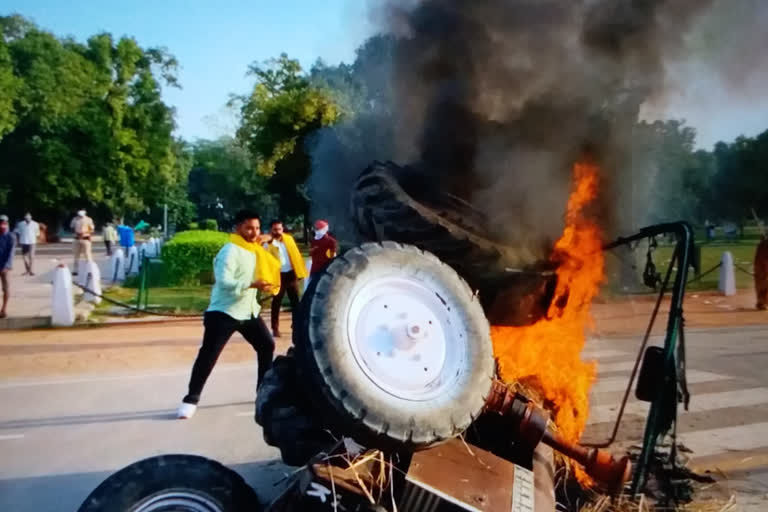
{"x":209,"y":225}
{"x":192,"y":226}
{"x":188,"y":256}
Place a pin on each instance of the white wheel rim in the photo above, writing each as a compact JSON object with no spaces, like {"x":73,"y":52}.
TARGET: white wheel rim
{"x":405,"y":338}
{"x":178,"y":500}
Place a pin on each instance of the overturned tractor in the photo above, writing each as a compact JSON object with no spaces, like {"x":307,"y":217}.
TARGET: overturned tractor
{"x":392,"y":363}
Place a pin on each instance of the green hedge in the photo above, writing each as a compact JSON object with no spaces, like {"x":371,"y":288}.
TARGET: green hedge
{"x":209,"y":224}
{"x":188,"y":256}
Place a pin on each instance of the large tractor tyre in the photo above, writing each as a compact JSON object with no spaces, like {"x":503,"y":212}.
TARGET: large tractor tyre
{"x":384,"y":209}
{"x":394,"y":347}
{"x":288,"y":420}
{"x":173,"y":482}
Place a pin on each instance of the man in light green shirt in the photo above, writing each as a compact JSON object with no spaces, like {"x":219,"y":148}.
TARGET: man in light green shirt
{"x":234,"y":307}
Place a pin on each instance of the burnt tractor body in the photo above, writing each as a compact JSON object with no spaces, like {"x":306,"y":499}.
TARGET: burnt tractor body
{"x":514,"y":285}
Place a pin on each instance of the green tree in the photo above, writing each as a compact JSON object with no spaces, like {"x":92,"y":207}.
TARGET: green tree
{"x":741,"y":180}
{"x":9,"y":85}
{"x":277,"y":118}
{"x":87,"y":125}
{"x":223,"y":180}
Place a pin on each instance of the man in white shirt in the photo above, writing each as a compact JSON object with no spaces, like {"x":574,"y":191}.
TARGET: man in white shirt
{"x":27,"y":233}
{"x":283,"y":247}
{"x":234,"y":307}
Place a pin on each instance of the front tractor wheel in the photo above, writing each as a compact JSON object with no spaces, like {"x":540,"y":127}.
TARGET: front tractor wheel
{"x":396,"y":346}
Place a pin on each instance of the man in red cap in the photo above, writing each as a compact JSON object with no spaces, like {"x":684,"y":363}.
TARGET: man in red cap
{"x":322,"y":249}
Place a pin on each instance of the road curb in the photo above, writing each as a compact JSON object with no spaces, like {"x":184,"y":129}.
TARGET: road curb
{"x":16,"y":323}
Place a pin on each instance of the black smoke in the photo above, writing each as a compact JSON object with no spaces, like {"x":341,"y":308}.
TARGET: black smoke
{"x":494,"y":100}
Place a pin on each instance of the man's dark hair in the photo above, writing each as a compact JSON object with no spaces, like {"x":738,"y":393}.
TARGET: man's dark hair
{"x":275,"y":221}
{"x":244,"y":215}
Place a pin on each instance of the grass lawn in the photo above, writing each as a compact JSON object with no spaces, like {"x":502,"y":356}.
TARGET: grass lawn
{"x":165,"y":299}
{"x":192,"y":299}
{"x":743,"y":252}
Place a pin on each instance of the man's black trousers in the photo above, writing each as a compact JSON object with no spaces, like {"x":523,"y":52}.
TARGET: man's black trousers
{"x":219,"y":327}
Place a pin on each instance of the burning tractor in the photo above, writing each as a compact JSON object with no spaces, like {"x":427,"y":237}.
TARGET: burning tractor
{"x":390,"y":398}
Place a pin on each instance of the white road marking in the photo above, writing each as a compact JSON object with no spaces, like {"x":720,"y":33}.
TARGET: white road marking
{"x":8,"y":437}
{"x":22,"y":383}
{"x":699,"y":403}
{"x":622,"y":366}
{"x":597,"y":354}
{"x":620,"y":383}
{"x":721,"y":440}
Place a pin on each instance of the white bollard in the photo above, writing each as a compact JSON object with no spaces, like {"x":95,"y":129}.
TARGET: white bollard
{"x":62,"y":303}
{"x":117,"y":266}
{"x":93,"y":283}
{"x":132,"y":266}
{"x":152,"y":247}
{"x":727,"y":284}
{"x":82,"y":272}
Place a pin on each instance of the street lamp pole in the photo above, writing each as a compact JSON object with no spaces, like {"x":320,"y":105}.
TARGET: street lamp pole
{"x":165,"y":221}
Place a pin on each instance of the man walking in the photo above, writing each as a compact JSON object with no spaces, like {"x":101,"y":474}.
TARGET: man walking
{"x":83,"y":228}
{"x":110,"y":237}
{"x":27,"y":233}
{"x":283,"y":247}
{"x":322,"y":249}
{"x":240,"y":269}
{"x":6,"y":261}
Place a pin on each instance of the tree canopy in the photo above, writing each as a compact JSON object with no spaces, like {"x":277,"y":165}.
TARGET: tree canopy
{"x":281,"y":112}
{"x":223,"y":181}
{"x":84,"y":124}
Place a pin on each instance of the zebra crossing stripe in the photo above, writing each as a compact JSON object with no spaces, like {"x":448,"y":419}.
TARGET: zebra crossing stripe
{"x":727,"y":439}
{"x":622,"y":366}
{"x":620,"y":383}
{"x":589,"y":355}
{"x":699,"y":403}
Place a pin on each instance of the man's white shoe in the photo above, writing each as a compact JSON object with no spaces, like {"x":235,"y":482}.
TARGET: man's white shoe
{"x":186,"y":411}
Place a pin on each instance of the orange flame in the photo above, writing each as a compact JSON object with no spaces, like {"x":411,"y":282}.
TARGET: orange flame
{"x":546,"y":356}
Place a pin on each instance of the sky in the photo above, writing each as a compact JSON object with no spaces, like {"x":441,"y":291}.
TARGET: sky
{"x":215,"y":41}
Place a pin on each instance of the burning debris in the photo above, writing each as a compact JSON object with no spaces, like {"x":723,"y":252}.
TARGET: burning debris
{"x":546,"y":357}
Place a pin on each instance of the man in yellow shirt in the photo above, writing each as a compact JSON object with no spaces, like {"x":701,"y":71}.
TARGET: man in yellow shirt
{"x":283,"y":247}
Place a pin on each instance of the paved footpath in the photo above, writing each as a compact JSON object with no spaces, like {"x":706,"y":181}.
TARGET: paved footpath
{"x":31,"y":295}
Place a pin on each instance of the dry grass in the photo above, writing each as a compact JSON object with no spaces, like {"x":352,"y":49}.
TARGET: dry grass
{"x":624,"y":503}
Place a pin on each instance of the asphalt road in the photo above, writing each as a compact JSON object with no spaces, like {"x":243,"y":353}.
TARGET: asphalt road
{"x":59,"y":438}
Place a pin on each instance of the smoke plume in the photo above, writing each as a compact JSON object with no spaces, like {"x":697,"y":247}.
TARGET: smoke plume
{"x":494,"y":100}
